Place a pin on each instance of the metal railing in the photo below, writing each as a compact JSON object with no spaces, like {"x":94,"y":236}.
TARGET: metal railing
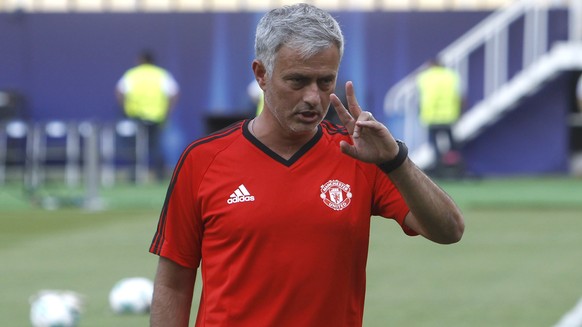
{"x":492,"y":37}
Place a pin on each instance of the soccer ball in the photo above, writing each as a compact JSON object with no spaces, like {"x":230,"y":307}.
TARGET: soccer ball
{"x":131,"y":296}
{"x":50,"y":308}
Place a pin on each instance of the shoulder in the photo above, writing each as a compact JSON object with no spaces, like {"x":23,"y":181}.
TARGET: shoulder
{"x":203,"y":150}
{"x":218,"y":140}
{"x":130,"y":71}
{"x":136,"y":72}
{"x":332,"y":130}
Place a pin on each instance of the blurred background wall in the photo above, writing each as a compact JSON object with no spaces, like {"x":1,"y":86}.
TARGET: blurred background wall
{"x":65,"y":66}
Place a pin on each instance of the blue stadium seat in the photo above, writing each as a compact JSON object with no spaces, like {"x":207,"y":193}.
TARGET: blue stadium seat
{"x":14,"y":144}
{"x":124,"y":152}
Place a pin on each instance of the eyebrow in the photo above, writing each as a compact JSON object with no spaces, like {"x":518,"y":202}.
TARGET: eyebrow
{"x":307,"y":76}
{"x":331,"y":76}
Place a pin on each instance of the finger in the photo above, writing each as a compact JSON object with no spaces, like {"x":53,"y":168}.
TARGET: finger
{"x":366,"y":116}
{"x":348,"y":149}
{"x":357,"y":131}
{"x":352,"y":100}
{"x":363,"y":121}
{"x":343,"y":113}
{"x":372,"y":124}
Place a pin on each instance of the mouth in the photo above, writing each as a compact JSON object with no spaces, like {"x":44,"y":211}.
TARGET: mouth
{"x":309,"y":114}
{"x":309,"y":117}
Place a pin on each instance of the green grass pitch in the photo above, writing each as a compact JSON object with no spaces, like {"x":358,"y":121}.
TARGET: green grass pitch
{"x":519,"y":263}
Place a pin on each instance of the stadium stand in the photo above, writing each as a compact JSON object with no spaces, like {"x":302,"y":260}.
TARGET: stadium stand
{"x":376,"y":64}
{"x":247,"y":5}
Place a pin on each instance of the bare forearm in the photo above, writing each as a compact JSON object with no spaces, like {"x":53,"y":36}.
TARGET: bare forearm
{"x":435,"y":215}
{"x":120,"y":98}
{"x":169,"y":309}
{"x":172,"y":300}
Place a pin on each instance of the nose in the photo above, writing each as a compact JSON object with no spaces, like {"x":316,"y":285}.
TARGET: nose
{"x":312,"y":95}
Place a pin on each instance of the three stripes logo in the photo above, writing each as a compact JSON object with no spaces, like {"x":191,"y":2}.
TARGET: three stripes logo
{"x":241,"y":194}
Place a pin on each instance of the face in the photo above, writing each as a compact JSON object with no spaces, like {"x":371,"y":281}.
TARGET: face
{"x":297,"y":92}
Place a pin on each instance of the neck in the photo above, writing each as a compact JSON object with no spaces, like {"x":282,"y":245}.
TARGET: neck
{"x":282,"y":142}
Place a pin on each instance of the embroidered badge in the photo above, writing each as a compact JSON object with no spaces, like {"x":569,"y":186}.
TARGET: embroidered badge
{"x":336,"y":195}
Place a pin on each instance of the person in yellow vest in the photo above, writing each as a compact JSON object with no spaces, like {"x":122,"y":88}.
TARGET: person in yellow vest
{"x":256,"y":96}
{"x":260,"y":104}
{"x":441,"y":102}
{"x":147,"y":93}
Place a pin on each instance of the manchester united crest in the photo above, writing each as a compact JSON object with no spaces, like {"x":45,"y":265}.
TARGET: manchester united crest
{"x":336,"y":195}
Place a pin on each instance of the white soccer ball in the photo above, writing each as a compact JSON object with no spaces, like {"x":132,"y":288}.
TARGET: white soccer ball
{"x":55,"y":309}
{"x":131,"y":296}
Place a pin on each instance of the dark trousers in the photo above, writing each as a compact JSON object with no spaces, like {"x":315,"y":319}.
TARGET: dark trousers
{"x":156,"y":156}
{"x":446,"y":149}
{"x":437,"y":132}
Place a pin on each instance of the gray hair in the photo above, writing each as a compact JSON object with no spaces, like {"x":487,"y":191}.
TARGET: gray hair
{"x":302,"y":27}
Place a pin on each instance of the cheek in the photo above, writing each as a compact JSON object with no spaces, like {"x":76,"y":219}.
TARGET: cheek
{"x":276,"y":103}
{"x":283,"y":100}
{"x":325,"y":99}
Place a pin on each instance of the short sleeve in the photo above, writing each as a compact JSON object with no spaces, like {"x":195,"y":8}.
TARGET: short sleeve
{"x":389,"y":203}
{"x":179,"y":233}
{"x":169,"y":85}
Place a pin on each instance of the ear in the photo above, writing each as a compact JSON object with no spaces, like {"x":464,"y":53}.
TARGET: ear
{"x":260,"y":73}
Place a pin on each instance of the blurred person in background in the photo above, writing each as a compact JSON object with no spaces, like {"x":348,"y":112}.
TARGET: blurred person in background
{"x":256,"y":95}
{"x":440,"y":105}
{"x":277,"y":209}
{"x":579,"y":93}
{"x":147,"y":94}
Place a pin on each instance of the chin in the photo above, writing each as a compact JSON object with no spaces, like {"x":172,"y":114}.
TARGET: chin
{"x":304,"y":128}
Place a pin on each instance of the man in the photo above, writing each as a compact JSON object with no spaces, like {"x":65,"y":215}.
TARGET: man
{"x":147,"y":93}
{"x":278,"y":208}
{"x":440,"y":107}
{"x":256,"y":95}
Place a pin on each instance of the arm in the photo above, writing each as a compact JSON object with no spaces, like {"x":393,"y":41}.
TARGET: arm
{"x":172,"y":90}
{"x":433,"y":214}
{"x":172,"y":300}
{"x":120,"y":90}
{"x":120,"y":97}
{"x":172,"y":102}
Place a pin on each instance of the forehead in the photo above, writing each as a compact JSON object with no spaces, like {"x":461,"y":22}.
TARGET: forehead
{"x":290,"y":61}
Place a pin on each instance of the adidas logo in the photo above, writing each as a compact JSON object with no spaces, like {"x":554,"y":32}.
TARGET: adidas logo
{"x":241,"y":194}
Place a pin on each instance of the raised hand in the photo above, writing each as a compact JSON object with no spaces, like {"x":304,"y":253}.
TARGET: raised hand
{"x":372,"y":141}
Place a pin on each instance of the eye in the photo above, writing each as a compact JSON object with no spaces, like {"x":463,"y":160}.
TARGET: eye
{"x":297,"y":81}
{"x":326,"y":83}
